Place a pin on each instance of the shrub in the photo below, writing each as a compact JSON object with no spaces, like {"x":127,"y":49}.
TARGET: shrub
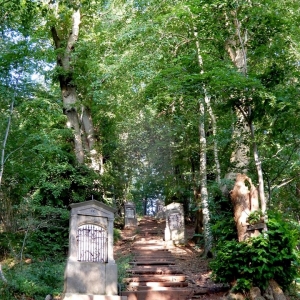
{"x":117,"y":235}
{"x":123,"y":265}
{"x":269,"y":256}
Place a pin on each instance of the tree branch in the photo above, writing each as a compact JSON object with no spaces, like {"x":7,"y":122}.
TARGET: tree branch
{"x":6,"y":134}
{"x":2,"y":275}
{"x":75,"y":31}
{"x":55,"y":37}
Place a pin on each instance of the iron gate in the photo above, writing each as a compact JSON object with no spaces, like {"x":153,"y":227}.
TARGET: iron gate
{"x":92,"y":243}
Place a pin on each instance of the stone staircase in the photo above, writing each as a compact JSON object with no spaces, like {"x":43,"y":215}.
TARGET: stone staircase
{"x":153,"y":274}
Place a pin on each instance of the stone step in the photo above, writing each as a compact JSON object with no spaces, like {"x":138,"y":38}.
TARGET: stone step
{"x":153,"y":257}
{"x":142,"y":285}
{"x":156,"y":288}
{"x":141,"y":253}
{"x":155,"y":278}
{"x":145,"y":251}
{"x":152,"y":241}
{"x":142,"y":250}
{"x":160,"y":294}
{"x":150,"y":231}
{"x":151,"y":251}
{"x":153,"y":247}
{"x":154,"y":270}
{"x":71,"y":296}
{"x":154,"y":273}
{"x":152,"y":262}
{"x":150,"y":258}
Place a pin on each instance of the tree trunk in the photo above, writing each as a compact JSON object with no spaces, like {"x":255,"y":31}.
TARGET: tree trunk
{"x":239,"y":157}
{"x":145,"y":203}
{"x":238,"y":54}
{"x":11,"y":109}
{"x":198,"y":217}
{"x":6,"y":205}
{"x":203,"y":183}
{"x":202,"y":154}
{"x":214,"y":129}
{"x":2,"y":275}
{"x":68,"y":90}
{"x":5,"y":140}
{"x":261,"y":190}
{"x":244,"y":202}
{"x":82,"y":125}
{"x":88,"y":128}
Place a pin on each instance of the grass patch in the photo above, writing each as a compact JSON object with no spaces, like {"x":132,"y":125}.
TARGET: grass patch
{"x":123,"y":266}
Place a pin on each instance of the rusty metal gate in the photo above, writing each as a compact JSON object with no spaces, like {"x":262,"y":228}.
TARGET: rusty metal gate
{"x":92,"y":243}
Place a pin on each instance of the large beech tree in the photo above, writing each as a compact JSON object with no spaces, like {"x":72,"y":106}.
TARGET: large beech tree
{"x":65,"y":34}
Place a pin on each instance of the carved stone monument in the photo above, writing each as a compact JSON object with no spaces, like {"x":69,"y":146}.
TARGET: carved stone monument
{"x":175,"y":228}
{"x":160,"y":209}
{"x":91,"y":272}
{"x":130,"y":215}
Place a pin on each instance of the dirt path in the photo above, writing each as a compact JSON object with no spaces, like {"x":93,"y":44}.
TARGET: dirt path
{"x":146,"y":242}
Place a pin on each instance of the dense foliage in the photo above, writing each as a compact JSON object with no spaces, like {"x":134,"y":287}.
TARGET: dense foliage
{"x":164,"y":94}
{"x":34,"y":279}
{"x":254,"y":262}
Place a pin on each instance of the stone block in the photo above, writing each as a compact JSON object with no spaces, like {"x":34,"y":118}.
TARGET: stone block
{"x":175,"y":227}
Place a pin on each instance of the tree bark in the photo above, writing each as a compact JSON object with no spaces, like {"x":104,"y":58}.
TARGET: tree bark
{"x":261,"y":190}
{"x":5,"y":140}
{"x":244,"y":202}
{"x":202,"y":154}
{"x":238,"y":53}
{"x":88,"y":128}
{"x":239,"y":157}
{"x":6,"y":208}
{"x":214,"y":129}
{"x":68,"y":90}
{"x":11,"y":109}
{"x":198,"y":216}
{"x":79,"y":117}
{"x":203,"y":182}
{"x":2,"y":275}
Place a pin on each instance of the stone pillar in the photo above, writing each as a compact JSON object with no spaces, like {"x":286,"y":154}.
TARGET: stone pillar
{"x":175,"y":228}
{"x":160,"y":209}
{"x":91,"y":271}
{"x":110,"y":241}
{"x":130,"y":219}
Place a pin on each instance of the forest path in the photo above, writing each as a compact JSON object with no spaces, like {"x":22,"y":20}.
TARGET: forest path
{"x":160,"y":271}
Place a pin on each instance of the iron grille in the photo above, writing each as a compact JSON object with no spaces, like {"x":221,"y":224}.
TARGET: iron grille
{"x":92,"y":243}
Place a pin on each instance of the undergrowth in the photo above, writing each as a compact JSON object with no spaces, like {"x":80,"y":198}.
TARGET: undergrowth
{"x":272,"y":255}
{"x":123,"y":265}
{"x":32,"y":281}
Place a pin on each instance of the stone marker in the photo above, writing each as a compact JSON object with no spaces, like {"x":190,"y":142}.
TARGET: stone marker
{"x":175,"y":229}
{"x":160,"y":209}
{"x":91,"y":272}
{"x":130,"y":215}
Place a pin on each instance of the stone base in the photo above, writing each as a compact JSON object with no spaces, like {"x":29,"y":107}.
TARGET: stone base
{"x":177,"y":237}
{"x":172,"y":244}
{"x":69,"y":296}
{"x":130,"y":222}
{"x":89,"y":278}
